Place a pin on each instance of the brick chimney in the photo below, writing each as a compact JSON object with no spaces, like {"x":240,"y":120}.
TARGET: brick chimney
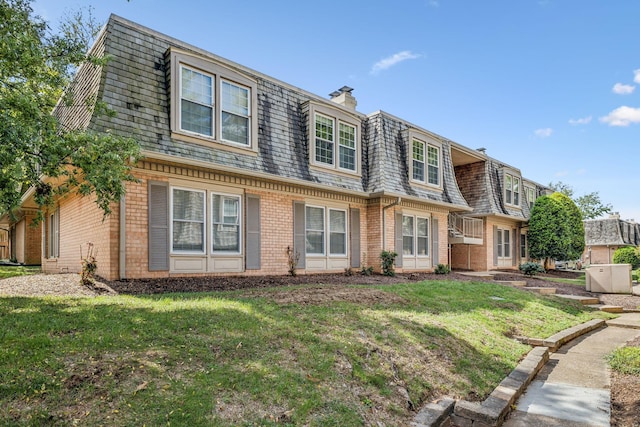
{"x":343,"y":97}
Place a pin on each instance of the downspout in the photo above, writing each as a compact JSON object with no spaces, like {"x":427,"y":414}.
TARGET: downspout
{"x":122,"y":241}
{"x":384,"y":222}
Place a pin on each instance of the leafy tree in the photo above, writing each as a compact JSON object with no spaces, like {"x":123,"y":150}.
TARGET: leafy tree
{"x":548,"y":230}
{"x":36,"y":65}
{"x":589,"y":205}
{"x":575,"y":227}
{"x":627,"y":255}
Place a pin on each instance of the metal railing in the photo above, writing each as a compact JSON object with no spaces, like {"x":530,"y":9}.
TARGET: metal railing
{"x":464,"y":226}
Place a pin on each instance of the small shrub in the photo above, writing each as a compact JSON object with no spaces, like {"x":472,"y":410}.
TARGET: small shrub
{"x":292,"y":260}
{"x":388,"y":258}
{"x":442,"y":269}
{"x":348,"y":272}
{"x":531,"y":268}
{"x":366,"y":271}
{"x":89,"y":265}
{"x":627,"y":255}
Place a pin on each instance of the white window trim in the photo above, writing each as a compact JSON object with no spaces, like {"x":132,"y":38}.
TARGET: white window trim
{"x":220,"y":110}
{"x":327,"y":232}
{"x":204,"y":213}
{"x":240,"y":224}
{"x":416,"y":236}
{"x":324,"y":231}
{"x":531,"y":196}
{"x":53,"y":234}
{"x":212,"y":106}
{"x":219,"y":72}
{"x":428,"y":141}
{"x":338,"y":117}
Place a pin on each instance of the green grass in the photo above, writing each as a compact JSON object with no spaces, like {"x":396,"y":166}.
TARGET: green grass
{"x":581,"y":280}
{"x":11,"y":271}
{"x":231,"y":359}
{"x":626,"y":360}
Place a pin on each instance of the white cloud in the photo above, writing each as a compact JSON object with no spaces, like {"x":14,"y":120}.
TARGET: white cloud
{"x":622,"y":116}
{"x":581,"y":171}
{"x":636,"y":76}
{"x":543,"y":133}
{"x":621,"y":89}
{"x":581,"y":121}
{"x":562,"y":173}
{"x":392,"y":60}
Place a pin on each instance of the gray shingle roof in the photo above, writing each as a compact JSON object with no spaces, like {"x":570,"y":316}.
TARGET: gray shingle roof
{"x":611,"y":231}
{"x":135,"y":84}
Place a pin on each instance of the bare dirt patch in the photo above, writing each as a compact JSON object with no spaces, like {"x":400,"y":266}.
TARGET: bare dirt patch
{"x":625,"y":397}
{"x":320,"y":295}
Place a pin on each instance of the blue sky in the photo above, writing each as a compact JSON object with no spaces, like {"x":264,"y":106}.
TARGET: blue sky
{"x":551,"y":87}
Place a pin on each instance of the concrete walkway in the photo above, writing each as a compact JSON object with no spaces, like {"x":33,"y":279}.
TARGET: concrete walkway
{"x":573,"y":388}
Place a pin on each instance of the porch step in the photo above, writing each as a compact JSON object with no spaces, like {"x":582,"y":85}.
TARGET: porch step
{"x":607,"y":308}
{"x":582,"y":299}
{"x":541,"y":290}
{"x":519,"y":283}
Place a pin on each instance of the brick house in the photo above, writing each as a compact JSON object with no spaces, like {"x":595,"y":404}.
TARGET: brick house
{"x":501,"y":200}
{"x":603,"y":236}
{"x":240,"y":171}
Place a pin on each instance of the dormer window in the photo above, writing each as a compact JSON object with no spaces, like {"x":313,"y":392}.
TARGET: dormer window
{"x":425,"y":161}
{"x":334,"y":139}
{"x":512,"y":189}
{"x":531,"y":196}
{"x":212,"y":104}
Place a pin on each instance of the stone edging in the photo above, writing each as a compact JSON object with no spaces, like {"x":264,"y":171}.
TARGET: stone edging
{"x":493,"y":410}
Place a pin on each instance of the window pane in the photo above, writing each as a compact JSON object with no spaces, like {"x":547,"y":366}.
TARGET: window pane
{"x":314,"y":230}
{"x":235,"y":128}
{"x":347,"y":135}
{"x":188,"y":205}
{"x":418,"y":171}
{"x":434,"y":166}
{"x":324,"y":151}
{"x":516,"y":191}
{"x":188,"y":236}
{"x":337,"y":232}
{"x":235,"y":99}
{"x":407,"y":235}
{"x":499,"y":243}
{"x":225,"y":218}
{"x":418,"y":160}
{"x":196,"y":87}
{"x":196,"y":118}
{"x":507,"y":244}
{"x":523,"y":246}
{"x":422,"y":229}
{"x":324,"y":128}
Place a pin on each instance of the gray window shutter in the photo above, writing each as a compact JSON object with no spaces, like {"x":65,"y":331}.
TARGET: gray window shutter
{"x":158,"y":226}
{"x":495,"y":245}
{"x":253,"y":232}
{"x":354,"y":228}
{"x":398,"y":239}
{"x":515,"y":247}
{"x":299,"y":234}
{"x":435,"y":238}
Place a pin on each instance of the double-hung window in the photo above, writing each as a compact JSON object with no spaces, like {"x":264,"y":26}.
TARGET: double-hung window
{"x":53,"y":238}
{"x":322,"y":222}
{"x":333,"y":139}
{"x":425,"y":162}
{"x":225,"y":224}
{"x":434,"y":165}
{"x":531,"y":196}
{"x":196,"y":101}
{"x":504,"y":243}
{"x":325,"y":144}
{"x":418,"y":160}
{"x":415,"y":236}
{"x":234,"y":112}
{"x":523,"y":246}
{"x":187,"y":221}
{"x":512,"y":189}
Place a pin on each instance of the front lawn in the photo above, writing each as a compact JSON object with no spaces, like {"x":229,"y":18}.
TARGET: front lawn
{"x":18,"y":270}
{"x":263,"y":357}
